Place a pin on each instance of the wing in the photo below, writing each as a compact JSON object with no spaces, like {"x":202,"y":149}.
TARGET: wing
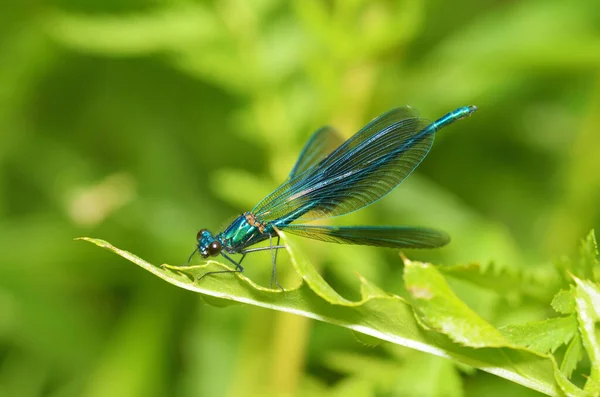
{"x":362,"y":170}
{"x":324,"y":141}
{"x":391,"y":237}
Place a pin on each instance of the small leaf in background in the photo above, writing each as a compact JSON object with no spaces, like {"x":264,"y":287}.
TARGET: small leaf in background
{"x":502,"y":280}
{"x":586,"y":266}
{"x":415,"y":374}
{"x":506,"y":282}
{"x":588,"y":262}
{"x":543,"y":336}
{"x":564,"y":302}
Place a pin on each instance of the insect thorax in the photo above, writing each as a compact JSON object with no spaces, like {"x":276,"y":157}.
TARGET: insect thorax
{"x":244,"y":231}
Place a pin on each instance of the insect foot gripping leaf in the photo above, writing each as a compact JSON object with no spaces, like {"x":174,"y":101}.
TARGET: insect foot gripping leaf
{"x":433,"y":320}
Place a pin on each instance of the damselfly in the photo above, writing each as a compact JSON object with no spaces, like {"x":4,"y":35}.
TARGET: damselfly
{"x":332,"y":178}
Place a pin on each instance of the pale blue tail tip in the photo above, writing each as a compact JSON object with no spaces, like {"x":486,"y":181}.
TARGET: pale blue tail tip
{"x":466,"y":111}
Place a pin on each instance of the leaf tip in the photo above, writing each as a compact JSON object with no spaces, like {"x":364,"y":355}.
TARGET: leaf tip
{"x":575,"y":278}
{"x":405,"y":260}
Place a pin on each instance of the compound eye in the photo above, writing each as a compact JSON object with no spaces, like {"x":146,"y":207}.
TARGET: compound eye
{"x":200,"y":233}
{"x":214,"y":248}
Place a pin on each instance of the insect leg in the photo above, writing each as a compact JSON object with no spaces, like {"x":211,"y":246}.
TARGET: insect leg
{"x":191,"y":256}
{"x":275,"y":247}
{"x":238,"y":267}
{"x":274,"y":258}
{"x":276,"y":250}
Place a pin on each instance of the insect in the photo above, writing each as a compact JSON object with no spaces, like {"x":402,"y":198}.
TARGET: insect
{"x":332,"y":178}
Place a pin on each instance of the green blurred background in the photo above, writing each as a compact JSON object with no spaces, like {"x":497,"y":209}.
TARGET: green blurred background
{"x":142,"y":121}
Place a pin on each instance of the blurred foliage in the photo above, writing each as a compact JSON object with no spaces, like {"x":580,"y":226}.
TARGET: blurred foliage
{"x":143,"y":121}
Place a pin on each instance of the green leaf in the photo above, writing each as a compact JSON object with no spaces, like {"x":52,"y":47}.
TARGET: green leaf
{"x":589,"y":267}
{"x":500,"y":280}
{"x":543,"y":336}
{"x":587,"y":299}
{"x":439,"y":308}
{"x":381,"y":315}
{"x":573,"y":355}
{"x":564,"y":302}
{"x":503,"y":280}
